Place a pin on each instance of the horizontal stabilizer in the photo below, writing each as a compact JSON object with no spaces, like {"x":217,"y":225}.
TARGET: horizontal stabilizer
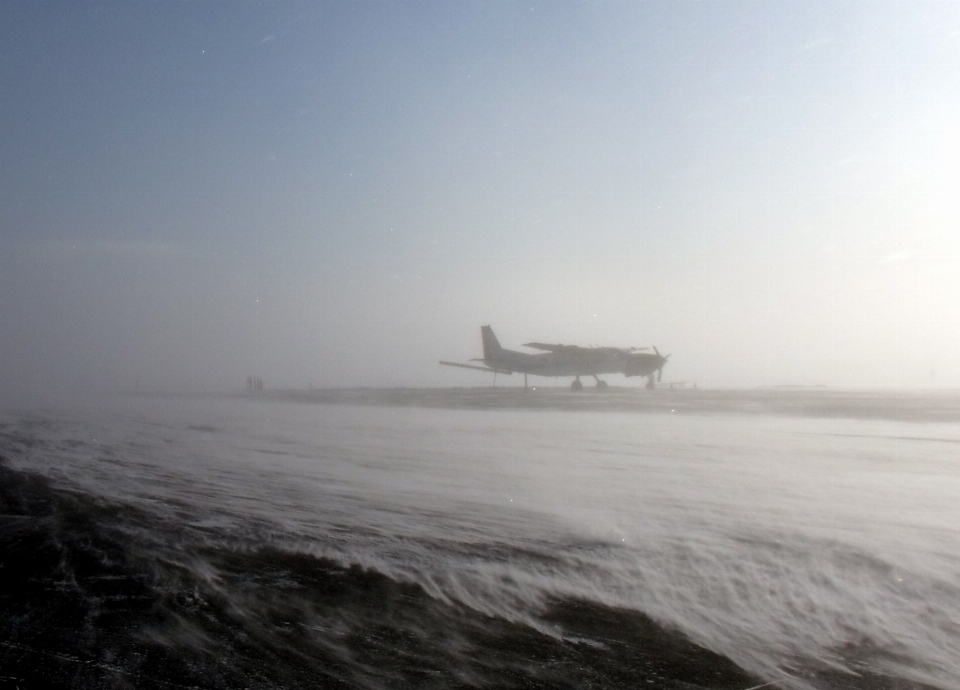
{"x":473,"y":366}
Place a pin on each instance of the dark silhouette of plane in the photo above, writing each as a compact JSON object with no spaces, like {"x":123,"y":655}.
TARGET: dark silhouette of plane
{"x":567,"y":360}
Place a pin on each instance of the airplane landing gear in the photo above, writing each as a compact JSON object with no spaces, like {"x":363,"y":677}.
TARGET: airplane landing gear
{"x":650,"y":384}
{"x":576,"y":385}
{"x":601,"y":385}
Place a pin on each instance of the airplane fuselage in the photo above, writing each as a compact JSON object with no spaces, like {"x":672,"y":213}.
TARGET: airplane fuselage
{"x":576,"y":361}
{"x":568,"y":360}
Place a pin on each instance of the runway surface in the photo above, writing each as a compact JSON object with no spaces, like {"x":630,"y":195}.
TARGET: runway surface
{"x":483,"y":538}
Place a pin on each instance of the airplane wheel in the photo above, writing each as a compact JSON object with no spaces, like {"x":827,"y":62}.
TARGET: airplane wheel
{"x":601,"y":385}
{"x":577,"y":385}
{"x":650,"y":384}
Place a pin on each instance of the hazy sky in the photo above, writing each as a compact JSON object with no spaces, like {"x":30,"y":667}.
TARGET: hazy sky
{"x":342,"y":193}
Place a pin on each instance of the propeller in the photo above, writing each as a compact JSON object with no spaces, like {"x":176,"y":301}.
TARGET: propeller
{"x":663,"y":361}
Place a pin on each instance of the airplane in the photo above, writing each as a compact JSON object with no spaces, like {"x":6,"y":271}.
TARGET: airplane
{"x":567,"y":360}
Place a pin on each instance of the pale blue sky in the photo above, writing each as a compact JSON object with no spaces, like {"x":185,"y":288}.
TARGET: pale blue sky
{"x":342,"y":193}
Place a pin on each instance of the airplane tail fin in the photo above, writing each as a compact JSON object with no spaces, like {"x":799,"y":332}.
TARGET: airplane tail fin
{"x":491,"y":346}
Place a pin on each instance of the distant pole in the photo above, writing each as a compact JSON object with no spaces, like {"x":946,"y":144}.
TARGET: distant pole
{"x":494,"y":379}
{"x":524,"y":381}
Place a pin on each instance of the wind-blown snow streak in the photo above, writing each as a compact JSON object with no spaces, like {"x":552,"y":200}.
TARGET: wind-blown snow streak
{"x":267,"y":542}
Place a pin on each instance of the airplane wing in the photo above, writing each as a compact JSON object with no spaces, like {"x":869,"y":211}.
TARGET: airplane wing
{"x":473,"y":366}
{"x":548,"y":348}
{"x":578,"y":350}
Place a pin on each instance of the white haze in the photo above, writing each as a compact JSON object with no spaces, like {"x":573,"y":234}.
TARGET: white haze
{"x":336,"y":194}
